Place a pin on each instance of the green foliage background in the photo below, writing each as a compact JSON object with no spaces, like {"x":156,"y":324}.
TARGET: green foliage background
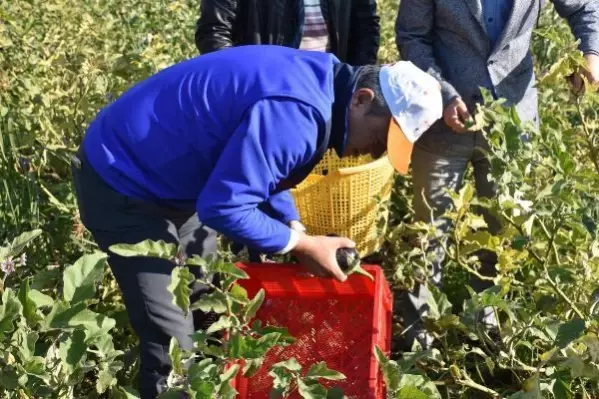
{"x":63,"y":330}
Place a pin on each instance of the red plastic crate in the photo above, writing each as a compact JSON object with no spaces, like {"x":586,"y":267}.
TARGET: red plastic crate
{"x":339,"y":323}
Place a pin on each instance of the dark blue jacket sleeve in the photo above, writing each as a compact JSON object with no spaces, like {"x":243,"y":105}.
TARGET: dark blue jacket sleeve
{"x":276,"y":137}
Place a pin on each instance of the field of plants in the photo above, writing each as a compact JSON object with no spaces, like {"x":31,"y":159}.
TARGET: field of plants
{"x":63,"y":329}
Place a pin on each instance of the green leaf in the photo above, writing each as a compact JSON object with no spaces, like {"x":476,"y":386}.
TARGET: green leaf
{"x":227,"y":282}
{"x":105,"y":381}
{"x":223,"y":323}
{"x":181,"y":279}
{"x":475,"y":222}
{"x":216,"y":351}
{"x":237,"y":346}
{"x":176,"y":355}
{"x":480,"y":240}
{"x":105,"y":346}
{"x":26,"y":343}
{"x":252,"y":366}
{"x":226,"y":391}
{"x":204,"y":369}
{"x":309,"y":390}
{"x":239,"y":294}
{"x":36,"y":367}
{"x":202,"y":389}
{"x":569,"y":332}
{"x":72,"y":350}
{"x":410,"y":392}
{"x":29,"y":306}
{"x":229,"y":374}
{"x":463,"y":197}
{"x":592,"y":344}
{"x":281,"y":381}
{"x":285,"y":337}
{"x":81,"y":278}
{"x":579,"y":367}
{"x":95,"y":325}
{"x":320,"y":370}
{"x":254,"y":305}
{"x":546,"y":356}
{"x":390,"y":368}
{"x":438,"y":304}
{"x":449,"y":321}
{"x":561,"y":389}
{"x":335,"y":393}
{"x":215,"y":301}
{"x":9,"y":379}
{"x":196,"y":260}
{"x":259,"y":347}
{"x":289,"y":364}
{"x":228,"y":269}
{"x":41,"y":300}
{"x":20,"y":242}
{"x":10,"y":310}
{"x":62,"y":313}
{"x":146,"y":248}
{"x":47,"y":278}
{"x":420,"y":383}
{"x":514,"y":116}
{"x":530,"y":389}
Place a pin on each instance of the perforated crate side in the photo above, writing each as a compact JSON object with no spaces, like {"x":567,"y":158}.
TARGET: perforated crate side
{"x":336,"y":322}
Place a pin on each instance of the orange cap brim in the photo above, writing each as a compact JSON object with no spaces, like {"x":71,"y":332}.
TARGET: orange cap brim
{"x":399,"y":148}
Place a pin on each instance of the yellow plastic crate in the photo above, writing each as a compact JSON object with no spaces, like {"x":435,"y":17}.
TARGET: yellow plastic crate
{"x":342,"y":196}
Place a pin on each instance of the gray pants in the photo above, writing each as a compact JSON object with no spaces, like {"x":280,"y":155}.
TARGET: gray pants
{"x":113,"y":218}
{"x":439,"y":162}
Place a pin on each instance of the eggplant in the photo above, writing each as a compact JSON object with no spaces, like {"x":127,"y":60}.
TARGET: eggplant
{"x":346,"y":257}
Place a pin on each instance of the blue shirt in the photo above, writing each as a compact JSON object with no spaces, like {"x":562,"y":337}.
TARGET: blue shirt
{"x":496,"y":14}
{"x":219,"y":131}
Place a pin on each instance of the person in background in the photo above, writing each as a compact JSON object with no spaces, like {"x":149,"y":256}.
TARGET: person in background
{"x":196,"y":149}
{"x":466,"y":45}
{"x":349,"y":29}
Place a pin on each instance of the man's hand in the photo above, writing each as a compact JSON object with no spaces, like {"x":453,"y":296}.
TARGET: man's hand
{"x":318,"y":254}
{"x":591,"y":73}
{"x":456,"y":114}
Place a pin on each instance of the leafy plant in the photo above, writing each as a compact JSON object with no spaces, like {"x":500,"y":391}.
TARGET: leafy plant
{"x":63,"y":328}
{"x":235,"y":342}
{"x":545,"y":290}
{"x":51,"y":344}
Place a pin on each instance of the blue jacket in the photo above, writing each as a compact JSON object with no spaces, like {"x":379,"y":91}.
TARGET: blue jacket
{"x":222,"y":131}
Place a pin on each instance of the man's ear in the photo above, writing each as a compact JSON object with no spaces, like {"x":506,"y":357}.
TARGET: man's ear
{"x":362,"y":97}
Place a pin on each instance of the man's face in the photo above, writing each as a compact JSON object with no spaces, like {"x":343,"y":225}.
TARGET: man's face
{"x":367,"y":133}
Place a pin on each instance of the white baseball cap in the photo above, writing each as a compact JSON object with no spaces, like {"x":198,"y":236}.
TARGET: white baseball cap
{"x":414,"y":99}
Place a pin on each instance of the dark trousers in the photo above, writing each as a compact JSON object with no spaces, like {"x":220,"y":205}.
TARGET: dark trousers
{"x":113,"y":218}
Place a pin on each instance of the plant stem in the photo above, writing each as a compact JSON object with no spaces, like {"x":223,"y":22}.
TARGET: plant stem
{"x":588,"y":136}
{"x":468,"y":382}
{"x":512,"y":223}
{"x":551,"y":247}
{"x":465,"y":266}
{"x":525,"y":367}
{"x":551,"y":236}
{"x":561,"y":293}
{"x":544,"y":262}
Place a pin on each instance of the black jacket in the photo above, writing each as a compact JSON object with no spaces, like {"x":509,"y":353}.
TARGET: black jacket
{"x":226,"y":23}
